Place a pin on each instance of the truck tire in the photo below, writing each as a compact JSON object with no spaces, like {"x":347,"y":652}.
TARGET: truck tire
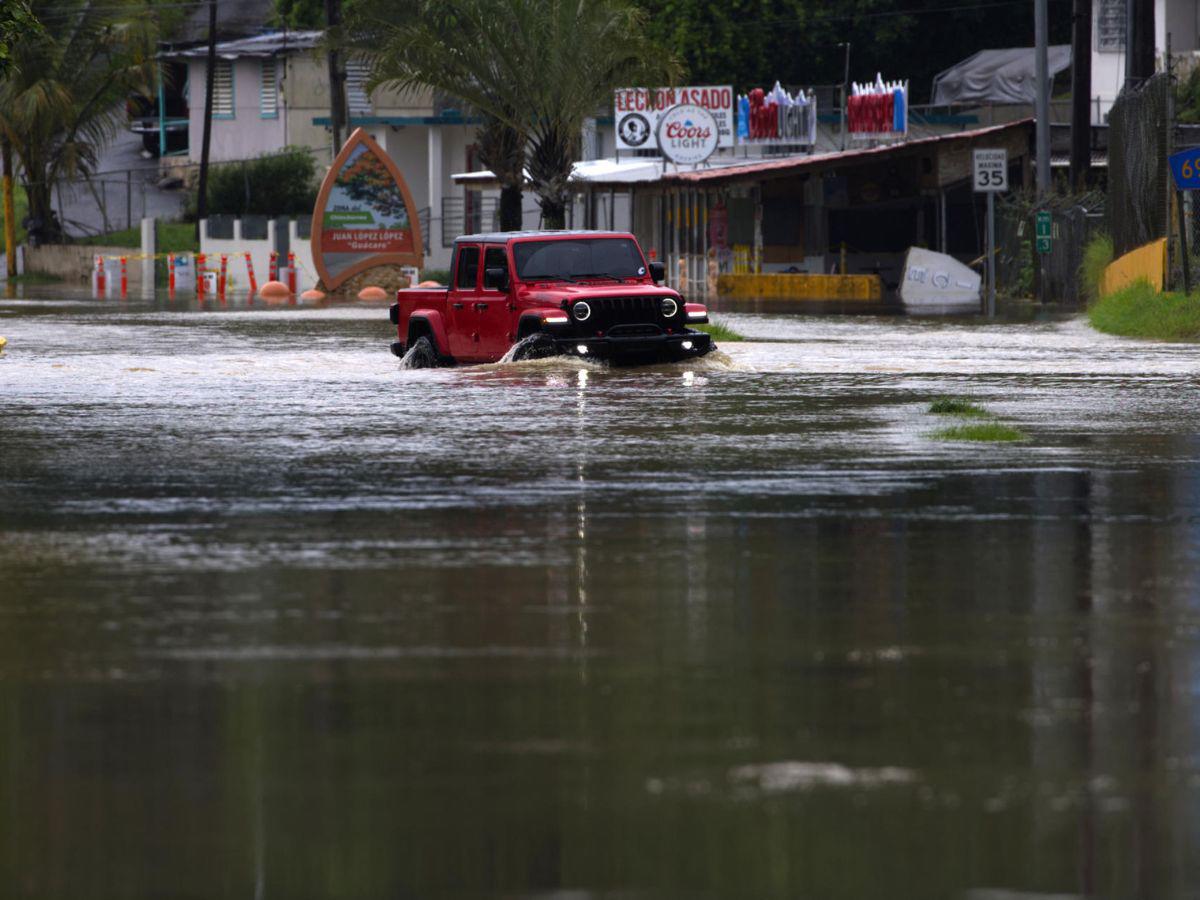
{"x":421,"y":355}
{"x":538,"y":345}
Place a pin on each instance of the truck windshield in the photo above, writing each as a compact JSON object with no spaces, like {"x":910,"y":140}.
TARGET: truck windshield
{"x":578,"y":258}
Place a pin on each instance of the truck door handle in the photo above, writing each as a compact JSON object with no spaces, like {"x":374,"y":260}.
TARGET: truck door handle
{"x":481,"y":306}
{"x":457,"y":305}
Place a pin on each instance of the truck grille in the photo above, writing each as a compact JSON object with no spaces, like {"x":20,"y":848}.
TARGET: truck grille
{"x":609,"y":311}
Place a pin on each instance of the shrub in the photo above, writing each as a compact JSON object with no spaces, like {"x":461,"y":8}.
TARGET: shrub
{"x":1097,"y":255}
{"x":279,"y":184}
{"x":1140,"y":311}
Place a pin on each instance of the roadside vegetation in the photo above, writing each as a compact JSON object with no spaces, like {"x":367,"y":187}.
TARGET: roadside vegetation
{"x":720,"y":332}
{"x":1097,"y":255}
{"x":172,"y":237}
{"x":275,"y":184}
{"x":1140,"y":311}
{"x":981,"y":431}
{"x":973,"y":423}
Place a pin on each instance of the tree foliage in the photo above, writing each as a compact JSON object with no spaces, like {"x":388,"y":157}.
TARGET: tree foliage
{"x":17,"y":22}
{"x":279,"y":184}
{"x":750,"y":43}
{"x":538,"y":66}
{"x":65,"y":95}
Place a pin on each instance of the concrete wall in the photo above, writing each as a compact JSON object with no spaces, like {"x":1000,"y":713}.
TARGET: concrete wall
{"x":235,"y":248}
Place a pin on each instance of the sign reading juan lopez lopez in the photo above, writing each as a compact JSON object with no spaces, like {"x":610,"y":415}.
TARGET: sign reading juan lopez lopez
{"x":687,"y":134}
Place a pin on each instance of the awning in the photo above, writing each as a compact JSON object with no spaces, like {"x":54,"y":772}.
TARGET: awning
{"x":997,"y":76}
{"x":607,"y":172}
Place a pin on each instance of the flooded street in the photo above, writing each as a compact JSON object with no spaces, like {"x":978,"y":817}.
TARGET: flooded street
{"x":280,"y":620}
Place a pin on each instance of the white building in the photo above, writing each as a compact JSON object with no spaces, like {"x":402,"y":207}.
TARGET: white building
{"x":1180,"y":19}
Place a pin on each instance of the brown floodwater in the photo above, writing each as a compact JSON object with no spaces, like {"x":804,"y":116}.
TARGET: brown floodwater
{"x":280,"y":620}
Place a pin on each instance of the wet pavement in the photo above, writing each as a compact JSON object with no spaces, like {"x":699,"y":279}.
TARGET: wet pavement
{"x":278,"y":619}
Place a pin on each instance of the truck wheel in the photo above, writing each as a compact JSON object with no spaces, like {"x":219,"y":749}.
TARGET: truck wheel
{"x":421,"y":355}
{"x":538,"y":345}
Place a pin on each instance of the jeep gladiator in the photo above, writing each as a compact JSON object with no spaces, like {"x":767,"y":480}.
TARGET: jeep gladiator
{"x":589,"y":294}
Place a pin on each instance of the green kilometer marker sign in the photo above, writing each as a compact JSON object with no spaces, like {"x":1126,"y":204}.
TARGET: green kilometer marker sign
{"x":1043,"y":231}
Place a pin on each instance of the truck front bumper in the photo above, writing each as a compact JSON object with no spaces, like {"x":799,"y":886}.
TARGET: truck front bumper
{"x":640,"y":348}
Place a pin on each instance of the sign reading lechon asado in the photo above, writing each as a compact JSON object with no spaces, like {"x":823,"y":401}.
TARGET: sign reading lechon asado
{"x":637,"y":112}
{"x":364,"y":216}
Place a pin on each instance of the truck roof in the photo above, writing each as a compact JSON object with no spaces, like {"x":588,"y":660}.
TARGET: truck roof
{"x":499,"y":236}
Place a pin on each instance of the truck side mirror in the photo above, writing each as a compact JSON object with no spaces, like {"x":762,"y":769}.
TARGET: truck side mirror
{"x":658,"y":271}
{"x":495,"y":278}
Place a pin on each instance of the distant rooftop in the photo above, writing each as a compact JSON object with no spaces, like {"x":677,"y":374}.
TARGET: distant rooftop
{"x":262,"y":45}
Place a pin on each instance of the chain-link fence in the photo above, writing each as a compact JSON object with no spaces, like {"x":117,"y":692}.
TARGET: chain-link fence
{"x":1074,"y":220}
{"x":1138,"y":144}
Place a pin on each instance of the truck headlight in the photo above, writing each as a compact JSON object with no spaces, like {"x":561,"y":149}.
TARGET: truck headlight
{"x":669,"y":307}
{"x":581,"y":311}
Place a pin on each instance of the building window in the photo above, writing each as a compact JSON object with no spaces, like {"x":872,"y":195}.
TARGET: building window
{"x":358,"y":100}
{"x":223,"y":89}
{"x":1110,"y":25}
{"x":268,"y":91}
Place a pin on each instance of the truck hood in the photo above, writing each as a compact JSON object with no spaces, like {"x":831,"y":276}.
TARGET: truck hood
{"x":597,"y":290}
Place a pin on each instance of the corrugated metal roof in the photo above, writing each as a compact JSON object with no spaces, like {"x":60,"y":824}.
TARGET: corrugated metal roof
{"x":261,"y":45}
{"x":794,"y":163}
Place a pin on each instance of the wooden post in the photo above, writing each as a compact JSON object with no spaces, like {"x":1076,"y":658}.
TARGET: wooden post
{"x":10,"y":226}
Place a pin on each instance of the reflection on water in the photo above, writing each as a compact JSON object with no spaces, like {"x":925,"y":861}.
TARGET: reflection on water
{"x":281,"y":620}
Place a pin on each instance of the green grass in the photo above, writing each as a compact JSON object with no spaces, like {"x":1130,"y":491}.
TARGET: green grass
{"x":954,"y":406}
{"x":980,"y":431}
{"x":1097,"y":254}
{"x":172,"y":237}
{"x":719,"y":332}
{"x":35,"y":278}
{"x":21,"y":210}
{"x":1140,"y":311}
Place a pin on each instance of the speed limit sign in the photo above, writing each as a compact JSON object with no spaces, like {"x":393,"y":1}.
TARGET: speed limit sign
{"x":991,"y":170}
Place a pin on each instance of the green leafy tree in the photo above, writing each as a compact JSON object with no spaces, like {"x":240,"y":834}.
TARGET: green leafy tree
{"x":502,"y":149}
{"x":750,"y":43}
{"x":17,"y":22}
{"x":540,"y":67}
{"x":65,"y":95}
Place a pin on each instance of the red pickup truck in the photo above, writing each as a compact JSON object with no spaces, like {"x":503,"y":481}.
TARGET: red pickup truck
{"x":588,"y":294}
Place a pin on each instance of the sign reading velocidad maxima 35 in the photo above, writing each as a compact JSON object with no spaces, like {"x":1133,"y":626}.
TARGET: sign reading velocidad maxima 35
{"x":365,"y":216}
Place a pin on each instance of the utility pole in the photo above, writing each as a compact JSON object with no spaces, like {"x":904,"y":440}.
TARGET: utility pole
{"x":337,"y":94}
{"x":1041,"y":30}
{"x":1140,"y":50}
{"x":10,"y":227}
{"x":845,"y":93}
{"x":1081,"y":89}
{"x":210,"y":68}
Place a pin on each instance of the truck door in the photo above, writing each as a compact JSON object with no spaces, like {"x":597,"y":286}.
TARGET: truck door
{"x":464,"y":294}
{"x":495,"y":319}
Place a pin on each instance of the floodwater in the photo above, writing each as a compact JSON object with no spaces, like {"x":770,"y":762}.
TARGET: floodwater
{"x":280,"y":620}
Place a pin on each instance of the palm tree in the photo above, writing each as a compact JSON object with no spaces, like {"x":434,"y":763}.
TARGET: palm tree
{"x":502,"y":149}
{"x":541,"y":67}
{"x":65,"y":95}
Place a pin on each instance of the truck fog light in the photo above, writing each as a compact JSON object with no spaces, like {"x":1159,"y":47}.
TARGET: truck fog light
{"x":669,"y":307}
{"x":686,"y":345}
{"x":581,"y":311}
{"x":581,"y":349}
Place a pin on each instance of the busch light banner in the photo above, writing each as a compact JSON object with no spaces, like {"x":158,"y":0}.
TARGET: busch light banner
{"x":364,"y":216}
{"x":638,"y":112}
